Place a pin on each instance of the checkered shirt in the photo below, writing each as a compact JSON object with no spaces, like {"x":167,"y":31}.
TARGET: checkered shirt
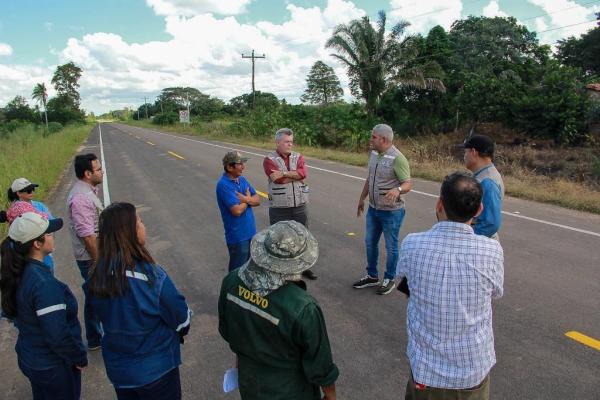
{"x":453,"y":275}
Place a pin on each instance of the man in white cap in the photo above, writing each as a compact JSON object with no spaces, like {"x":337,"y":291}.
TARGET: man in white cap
{"x":274,"y":326}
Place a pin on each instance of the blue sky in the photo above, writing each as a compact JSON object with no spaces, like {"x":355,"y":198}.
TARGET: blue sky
{"x":129,"y":49}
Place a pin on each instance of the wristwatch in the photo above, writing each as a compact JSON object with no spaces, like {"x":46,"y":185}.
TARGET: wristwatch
{"x":400,"y":189}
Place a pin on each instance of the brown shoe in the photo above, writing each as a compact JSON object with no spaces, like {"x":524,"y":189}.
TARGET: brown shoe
{"x":309,"y":274}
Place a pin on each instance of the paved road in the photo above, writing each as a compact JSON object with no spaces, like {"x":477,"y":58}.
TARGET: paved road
{"x":552,"y":271}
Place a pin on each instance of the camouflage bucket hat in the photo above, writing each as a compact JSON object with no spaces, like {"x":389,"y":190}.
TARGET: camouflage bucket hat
{"x":286,"y":248}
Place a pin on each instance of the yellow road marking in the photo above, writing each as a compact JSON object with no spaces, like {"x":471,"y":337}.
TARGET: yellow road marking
{"x":350,"y":233}
{"x":151,"y":144}
{"x":581,"y":338}
{"x":176,"y":155}
{"x":262,"y":194}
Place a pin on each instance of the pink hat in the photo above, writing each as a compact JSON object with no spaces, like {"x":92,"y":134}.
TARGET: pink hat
{"x":19,"y":208}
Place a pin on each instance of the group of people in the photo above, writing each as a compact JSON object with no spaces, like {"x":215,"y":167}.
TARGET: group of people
{"x":135,"y":314}
{"x":450,"y":273}
{"x":132,"y":310}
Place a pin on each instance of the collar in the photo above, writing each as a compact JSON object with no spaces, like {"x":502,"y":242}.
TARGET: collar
{"x":92,"y":188}
{"x":33,"y":261}
{"x":236,"y":180}
{"x":480,"y":170}
{"x":451,"y":226}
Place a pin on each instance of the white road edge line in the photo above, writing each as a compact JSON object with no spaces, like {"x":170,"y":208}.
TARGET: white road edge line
{"x":103,"y":163}
{"x":541,"y":221}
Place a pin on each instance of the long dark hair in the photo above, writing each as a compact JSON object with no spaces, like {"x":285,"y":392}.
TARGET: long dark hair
{"x":12,"y":196}
{"x":14,"y":257}
{"x":118,"y":251}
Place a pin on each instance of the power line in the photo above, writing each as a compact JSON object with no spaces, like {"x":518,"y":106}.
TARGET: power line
{"x":562,"y":9}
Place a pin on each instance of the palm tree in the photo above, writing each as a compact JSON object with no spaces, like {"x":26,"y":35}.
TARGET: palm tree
{"x":40,"y":94}
{"x":376,"y":63}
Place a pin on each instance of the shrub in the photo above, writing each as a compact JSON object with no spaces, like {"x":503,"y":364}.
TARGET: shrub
{"x":167,"y":118}
{"x":54,"y":127}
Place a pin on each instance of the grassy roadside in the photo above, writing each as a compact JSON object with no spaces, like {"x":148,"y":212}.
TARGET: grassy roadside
{"x":431,"y":158}
{"x":26,"y":153}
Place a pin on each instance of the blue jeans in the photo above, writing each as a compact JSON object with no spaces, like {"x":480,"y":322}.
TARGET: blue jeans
{"x":58,"y":383}
{"x":93,"y":329}
{"x":239,"y":253}
{"x":388,"y":223}
{"x":167,"y":387}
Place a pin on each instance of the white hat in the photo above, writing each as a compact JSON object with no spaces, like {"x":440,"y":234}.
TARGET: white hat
{"x":21,"y":183}
{"x":30,"y":225}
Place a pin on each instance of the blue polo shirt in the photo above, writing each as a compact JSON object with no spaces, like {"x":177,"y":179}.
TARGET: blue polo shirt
{"x":237,"y":229}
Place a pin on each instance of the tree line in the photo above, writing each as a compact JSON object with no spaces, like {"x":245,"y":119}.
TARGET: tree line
{"x":481,"y":70}
{"x":57,"y":111}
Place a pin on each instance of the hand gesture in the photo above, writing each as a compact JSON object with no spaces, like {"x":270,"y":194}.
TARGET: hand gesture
{"x":360,"y":209}
{"x":392,"y":195}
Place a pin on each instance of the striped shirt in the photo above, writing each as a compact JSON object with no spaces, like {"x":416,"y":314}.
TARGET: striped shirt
{"x":453,"y":275}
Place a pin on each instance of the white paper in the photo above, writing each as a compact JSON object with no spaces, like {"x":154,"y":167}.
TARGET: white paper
{"x":230,"y":380}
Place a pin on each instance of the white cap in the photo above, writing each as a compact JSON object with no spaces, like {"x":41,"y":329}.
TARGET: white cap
{"x":30,"y":225}
{"x":20,"y":184}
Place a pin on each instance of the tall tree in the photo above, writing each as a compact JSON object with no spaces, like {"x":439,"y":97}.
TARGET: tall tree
{"x":40,"y":94}
{"x":376,"y":61}
{"x":583,"y":52}
{"x":322,"y":85}
{"x":66,"y":81}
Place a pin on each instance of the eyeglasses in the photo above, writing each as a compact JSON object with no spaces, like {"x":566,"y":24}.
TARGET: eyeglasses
{"x":28,"y":191}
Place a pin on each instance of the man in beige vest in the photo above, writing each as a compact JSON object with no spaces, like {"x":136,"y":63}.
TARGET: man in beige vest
{"x":388,"y":180}
{"x":288,"y":194}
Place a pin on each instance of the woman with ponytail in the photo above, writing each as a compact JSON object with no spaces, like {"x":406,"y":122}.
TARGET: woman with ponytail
{"x":143,"y":316}
{"x":49,"y":347}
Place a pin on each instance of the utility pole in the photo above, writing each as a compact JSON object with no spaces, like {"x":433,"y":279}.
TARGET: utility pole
{"x":253,"y":57}
{"x":146,"y":106}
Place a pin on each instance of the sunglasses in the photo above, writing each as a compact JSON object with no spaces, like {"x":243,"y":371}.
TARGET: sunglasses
{"x":28,"y":191}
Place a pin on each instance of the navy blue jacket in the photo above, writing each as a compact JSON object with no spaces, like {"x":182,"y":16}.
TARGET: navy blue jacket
{"x":142,"y":328}
{"x":49,"y":331}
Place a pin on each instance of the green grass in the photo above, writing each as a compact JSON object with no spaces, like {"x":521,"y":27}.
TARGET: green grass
{"x":26,"y":153}
{"x":432,"y":157}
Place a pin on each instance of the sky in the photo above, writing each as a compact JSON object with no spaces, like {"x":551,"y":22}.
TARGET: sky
{"x":131,"y":49}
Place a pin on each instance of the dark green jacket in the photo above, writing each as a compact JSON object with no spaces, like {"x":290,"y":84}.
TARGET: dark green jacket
{"x":280,"y":340}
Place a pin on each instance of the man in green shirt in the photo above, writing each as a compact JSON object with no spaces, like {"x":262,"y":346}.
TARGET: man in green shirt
{"x":388,"y":180}
{"x":272,"y":324}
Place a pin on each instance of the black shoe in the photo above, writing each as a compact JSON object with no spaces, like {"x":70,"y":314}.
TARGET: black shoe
{"x":364,"y":282}
{"x":309,"y":274}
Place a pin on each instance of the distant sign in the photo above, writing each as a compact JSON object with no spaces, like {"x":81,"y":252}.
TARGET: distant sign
{"x":184,"y":117}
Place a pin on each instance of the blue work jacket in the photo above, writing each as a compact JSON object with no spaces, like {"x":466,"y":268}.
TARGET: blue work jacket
{"x":142,"y":328}
{"x":49,"y":331}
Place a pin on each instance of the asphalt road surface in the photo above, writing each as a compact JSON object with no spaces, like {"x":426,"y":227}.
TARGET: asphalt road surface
{"x":552,"y":275}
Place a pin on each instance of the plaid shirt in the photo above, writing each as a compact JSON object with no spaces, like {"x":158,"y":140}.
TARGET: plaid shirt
{"x":453,"y":275}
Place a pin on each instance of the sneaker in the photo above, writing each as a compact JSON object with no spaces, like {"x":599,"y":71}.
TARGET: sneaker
{"x":386,"y":286}
{"x":365,"y":282}
{"x":94,"y":347}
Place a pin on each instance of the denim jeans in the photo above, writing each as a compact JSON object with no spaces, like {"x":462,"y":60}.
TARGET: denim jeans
{"x":58,"y":383}
{"x":93,"y":329}
{"x":167,"y":387}
{"x":239,"y":253}
{"x":388,"y":223}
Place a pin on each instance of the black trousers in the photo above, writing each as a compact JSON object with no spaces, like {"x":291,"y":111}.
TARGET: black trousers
{"x":298,"y":214}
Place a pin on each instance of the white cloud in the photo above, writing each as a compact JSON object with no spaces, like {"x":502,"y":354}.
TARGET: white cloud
{"x":493,"y":10}
{"x":190,"y":8}
{"x":20,"y":80}
{"x":5,"y":49}
{"x":424,"y":15}
{"x":562,"y":13}
{"x":205,"y":52}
